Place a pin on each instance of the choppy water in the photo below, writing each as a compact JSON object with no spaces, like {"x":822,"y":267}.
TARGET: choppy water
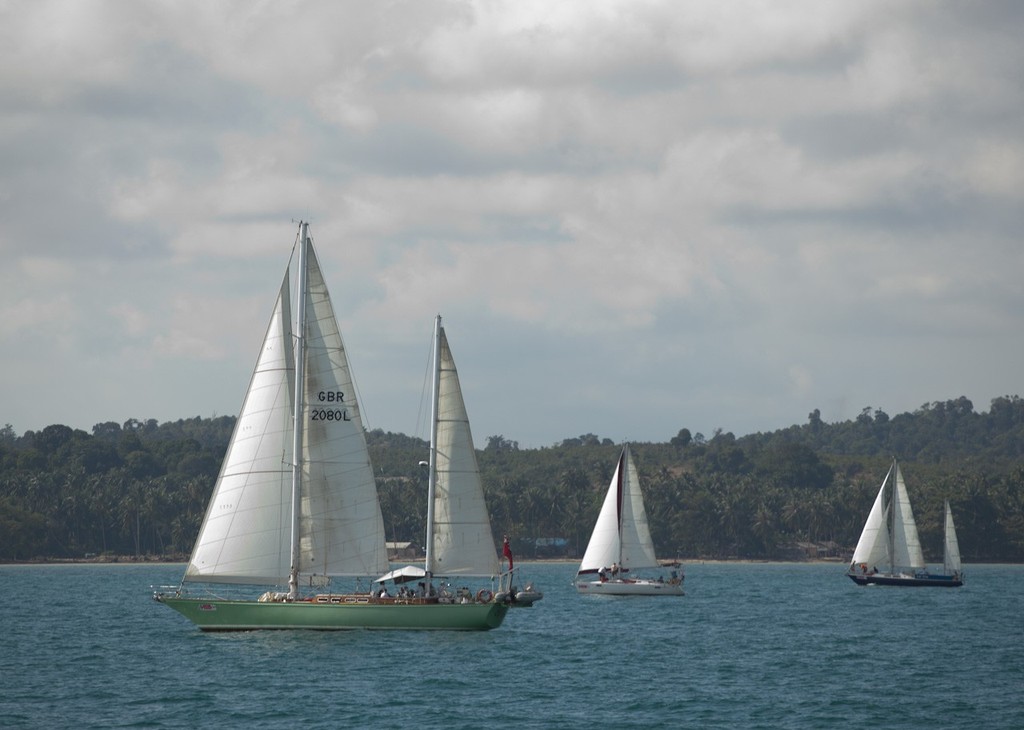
{"x":749,"y":646}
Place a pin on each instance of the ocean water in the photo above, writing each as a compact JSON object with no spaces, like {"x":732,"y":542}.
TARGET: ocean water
{"x":749,"y":646}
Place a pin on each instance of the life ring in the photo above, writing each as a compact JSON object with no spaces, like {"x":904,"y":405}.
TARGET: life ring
{"x":484,"y":596}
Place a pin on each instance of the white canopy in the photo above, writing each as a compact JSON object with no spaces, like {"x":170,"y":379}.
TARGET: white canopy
{"x":403,"y":575}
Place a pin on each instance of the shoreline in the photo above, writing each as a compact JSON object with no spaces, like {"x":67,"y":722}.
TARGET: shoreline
{"x":182,"y":559}
{"x":129,"y":561}
{"x":103,"y":560}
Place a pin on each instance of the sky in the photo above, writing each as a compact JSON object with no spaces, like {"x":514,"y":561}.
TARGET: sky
{"x":635,"y":217}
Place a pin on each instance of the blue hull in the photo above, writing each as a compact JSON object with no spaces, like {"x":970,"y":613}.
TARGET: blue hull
{"x":929,"y":581}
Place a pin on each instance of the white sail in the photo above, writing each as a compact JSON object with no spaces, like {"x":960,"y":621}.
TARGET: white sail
{"x":605,"y":544}
{"x":463,"y":543}
{"x":951,"y":548}
{"x":906,"y":544}
{"x":246,"y":533}
{"x":621,"y":534}
{"x":890,"y":540}
{"x":637,"y":550}
{"x":295,"y":502}
{"x":873,"y":547}
{"x":341,"y":526}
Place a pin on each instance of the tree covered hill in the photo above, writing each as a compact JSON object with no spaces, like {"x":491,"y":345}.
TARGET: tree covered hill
{"x":141,"y":487}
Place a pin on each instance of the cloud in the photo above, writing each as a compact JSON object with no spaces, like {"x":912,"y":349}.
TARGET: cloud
{"x":636,"y":217}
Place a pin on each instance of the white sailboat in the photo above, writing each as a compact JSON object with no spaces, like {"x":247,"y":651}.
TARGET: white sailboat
{"x":621,"y":543}
{"x":889,"y":539}
{"x":295,"y":505}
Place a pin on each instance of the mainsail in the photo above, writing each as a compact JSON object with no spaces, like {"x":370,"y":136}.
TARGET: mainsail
{"x":906,"y":544}
{"x":462,"y":542}
{"x":951,"y":548}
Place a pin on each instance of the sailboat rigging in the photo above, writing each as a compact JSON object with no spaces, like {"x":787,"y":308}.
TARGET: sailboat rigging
{"x":621,"y":543}
{"x":890,"y":539}
{"x":459,"y":540}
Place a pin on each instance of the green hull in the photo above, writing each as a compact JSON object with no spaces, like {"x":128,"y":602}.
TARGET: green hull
{"x":226,"y":615}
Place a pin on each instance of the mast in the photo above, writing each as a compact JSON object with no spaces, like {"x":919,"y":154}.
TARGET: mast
{"x":300,"y":373}
{"x":623,"y":485}
{"x":947,"y":518}
{"x":893,"y":508}
{"x":432,"y":479}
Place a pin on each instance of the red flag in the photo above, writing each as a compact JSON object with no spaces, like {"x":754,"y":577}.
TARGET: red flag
{"x":506,"y":551}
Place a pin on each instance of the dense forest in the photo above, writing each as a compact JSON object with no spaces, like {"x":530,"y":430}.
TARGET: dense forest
{"x":140,"y":488}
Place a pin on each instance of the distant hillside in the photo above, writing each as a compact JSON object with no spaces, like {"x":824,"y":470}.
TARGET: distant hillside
{"x":141,"y":487}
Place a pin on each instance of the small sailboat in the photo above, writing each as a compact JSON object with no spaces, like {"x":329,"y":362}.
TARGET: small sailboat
{"x":295,"y":505}
{"x":621,"y":543}
{"x":890,"y":539}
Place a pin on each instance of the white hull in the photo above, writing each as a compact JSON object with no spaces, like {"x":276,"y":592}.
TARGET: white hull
{"x":639,"y":587}
{"x":621,"y":543}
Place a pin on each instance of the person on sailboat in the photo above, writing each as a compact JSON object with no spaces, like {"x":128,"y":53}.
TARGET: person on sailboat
{"x":602,"y":575}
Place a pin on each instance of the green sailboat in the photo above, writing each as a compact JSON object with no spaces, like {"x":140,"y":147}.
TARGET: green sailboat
{"x":295,"y":506}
